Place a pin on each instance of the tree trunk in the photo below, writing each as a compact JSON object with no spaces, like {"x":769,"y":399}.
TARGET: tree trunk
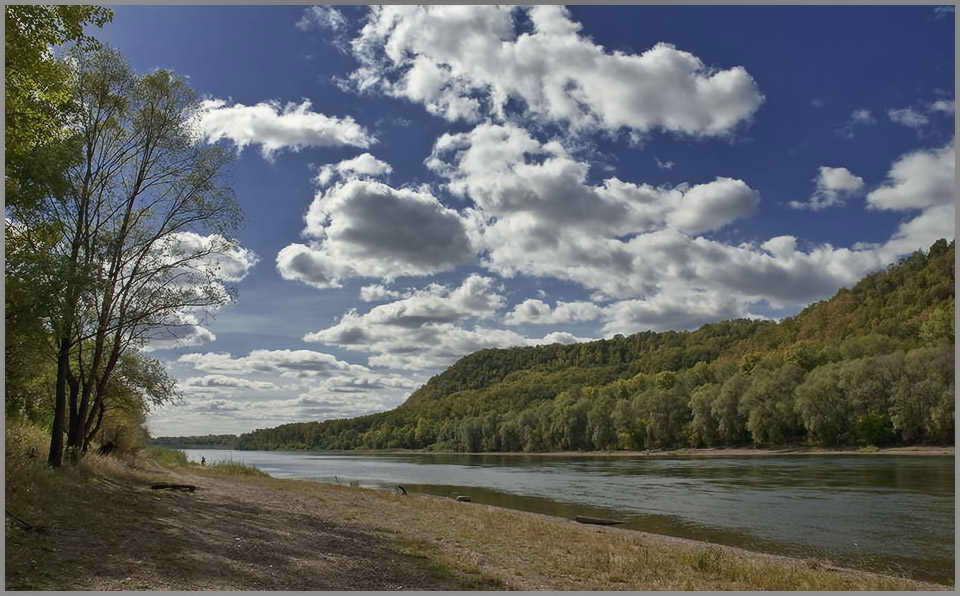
{"x":55,"y":458}
{"x":91,"y":434}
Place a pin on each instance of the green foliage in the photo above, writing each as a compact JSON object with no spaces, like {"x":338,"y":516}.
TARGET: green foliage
{"x":871,"y":366}
{"x":37,"y":94}
{"x":166,"y":457}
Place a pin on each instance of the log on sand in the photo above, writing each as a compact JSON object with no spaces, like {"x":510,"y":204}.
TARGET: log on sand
{"x":583,"y":519}
{"x":185,"y":487}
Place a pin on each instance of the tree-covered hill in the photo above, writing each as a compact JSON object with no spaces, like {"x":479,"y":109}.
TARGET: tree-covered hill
{"x":873,"y":365}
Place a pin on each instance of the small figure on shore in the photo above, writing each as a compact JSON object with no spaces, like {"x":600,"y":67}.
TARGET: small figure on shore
{"x":203,"y":461}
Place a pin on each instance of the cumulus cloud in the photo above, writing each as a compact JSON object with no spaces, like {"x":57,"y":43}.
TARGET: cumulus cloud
{"x":919,"y":179}
{"x":225,"y":259}
{"x":537,"y":312}
{"x":363,"y":165}
{"x":506,"y":173}
{"x":680,"y":309}
{"x":908,"y":117}
{"x":429,"y":330}
{"x":284,"y":363}
{"x":378,"y":293}
{"x":186,"y":333}
{"x":462,"y":62}
{"x":834,"y":186}
{"x":368,"y":229}
{"x":276,"y":127}
{"x":226,"y":382}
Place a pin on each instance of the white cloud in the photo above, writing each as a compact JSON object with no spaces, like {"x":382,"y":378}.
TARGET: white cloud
{"x":368,"y":229}
{"x":537,"y":312}
{"x":431,"y":329}
{"x":462,"y":62}
{"x":229,"y":261}
{"x":378,"y":293}
{"x":275,"y":127}
{"x":908,"y":117}
{"x":285,"y":363}
{"x":919,"y":179}
{"x":226,"y":382}
{"x":943,"y":105}
{"x":363,"y":165}
{"x":679,"y":309}
{"x":860,"y":117}
{"x":321,"y":17}
{"x":834,"y":186}
{"x":186,"y":334}
{"x":509,"y":174}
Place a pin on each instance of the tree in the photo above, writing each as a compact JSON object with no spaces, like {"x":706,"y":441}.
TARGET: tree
{"x":38,"y":94}
{"x":824,"y":406}
{"x":144,"y":230}
{"x":768,"y":404}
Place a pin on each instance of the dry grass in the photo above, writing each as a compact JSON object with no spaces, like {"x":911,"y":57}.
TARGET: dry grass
{"x":230,"y":467}
{"x":526,"y":551}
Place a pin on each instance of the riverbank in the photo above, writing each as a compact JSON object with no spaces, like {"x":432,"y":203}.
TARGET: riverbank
{"x":106,"y":529}
{"x":917,"y":450}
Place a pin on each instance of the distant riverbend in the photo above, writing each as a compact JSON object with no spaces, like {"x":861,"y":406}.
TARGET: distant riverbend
{"x":881,"y":513}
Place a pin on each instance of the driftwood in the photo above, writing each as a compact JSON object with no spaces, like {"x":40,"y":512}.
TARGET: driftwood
{"x":25,"y":524}
{"x":583,"y":519}
{"x":401,"y":488}
{"x":184,"y":487}
{"x":463,"y":499}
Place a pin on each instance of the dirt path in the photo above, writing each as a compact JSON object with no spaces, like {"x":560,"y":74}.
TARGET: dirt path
{"x":224,"y":536}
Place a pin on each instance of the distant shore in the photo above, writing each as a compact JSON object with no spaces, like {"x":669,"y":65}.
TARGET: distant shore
{"x":916,"y":450}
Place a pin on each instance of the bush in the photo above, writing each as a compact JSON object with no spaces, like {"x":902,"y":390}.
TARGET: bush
{"x":166,"y":457}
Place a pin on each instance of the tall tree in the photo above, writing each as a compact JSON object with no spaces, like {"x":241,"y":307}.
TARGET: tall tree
{"x":145,"y":226}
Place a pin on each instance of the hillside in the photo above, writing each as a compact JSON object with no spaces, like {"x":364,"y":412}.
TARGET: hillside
{"x":873,"y":365}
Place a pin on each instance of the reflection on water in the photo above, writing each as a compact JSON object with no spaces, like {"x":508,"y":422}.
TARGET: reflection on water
{"x":883,"y":513}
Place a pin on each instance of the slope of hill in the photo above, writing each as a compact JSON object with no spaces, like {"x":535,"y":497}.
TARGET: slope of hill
{"x":872,"y":365}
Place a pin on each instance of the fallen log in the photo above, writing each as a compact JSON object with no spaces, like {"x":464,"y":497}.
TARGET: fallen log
{"x":463,"y":499}
{"x":25,"y":524}
{"x":599,"y":521}
{"x":184,"y":487}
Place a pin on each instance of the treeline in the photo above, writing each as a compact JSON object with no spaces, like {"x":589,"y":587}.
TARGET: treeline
{"x":874,"y":365}
{"x":199,"y":442}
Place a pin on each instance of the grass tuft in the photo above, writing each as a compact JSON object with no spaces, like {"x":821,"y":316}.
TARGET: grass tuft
{"x":166,"y":457}
{"x":231,"y":467}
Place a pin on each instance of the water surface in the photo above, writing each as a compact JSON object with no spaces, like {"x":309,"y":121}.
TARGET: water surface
{"x":887,"y":513}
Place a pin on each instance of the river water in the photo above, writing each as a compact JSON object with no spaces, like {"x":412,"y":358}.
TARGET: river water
{"x":892,"y":514}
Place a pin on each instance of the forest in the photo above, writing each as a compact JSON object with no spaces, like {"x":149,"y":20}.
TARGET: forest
{"x":198,"y":442}
{"x":872,"y":366}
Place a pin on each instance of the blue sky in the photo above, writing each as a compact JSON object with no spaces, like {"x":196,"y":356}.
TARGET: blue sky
{"x":422,"y":183}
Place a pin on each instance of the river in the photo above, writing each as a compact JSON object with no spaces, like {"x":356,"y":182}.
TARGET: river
{"x":891,"y":514}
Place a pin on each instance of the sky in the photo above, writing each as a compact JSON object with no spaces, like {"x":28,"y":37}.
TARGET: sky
{"x":421,"y":183}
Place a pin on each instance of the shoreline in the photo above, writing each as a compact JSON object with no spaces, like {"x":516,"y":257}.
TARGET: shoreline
{"x":239,"y":530}
{"x":460,"y":513}
{"x":691,"y":452}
